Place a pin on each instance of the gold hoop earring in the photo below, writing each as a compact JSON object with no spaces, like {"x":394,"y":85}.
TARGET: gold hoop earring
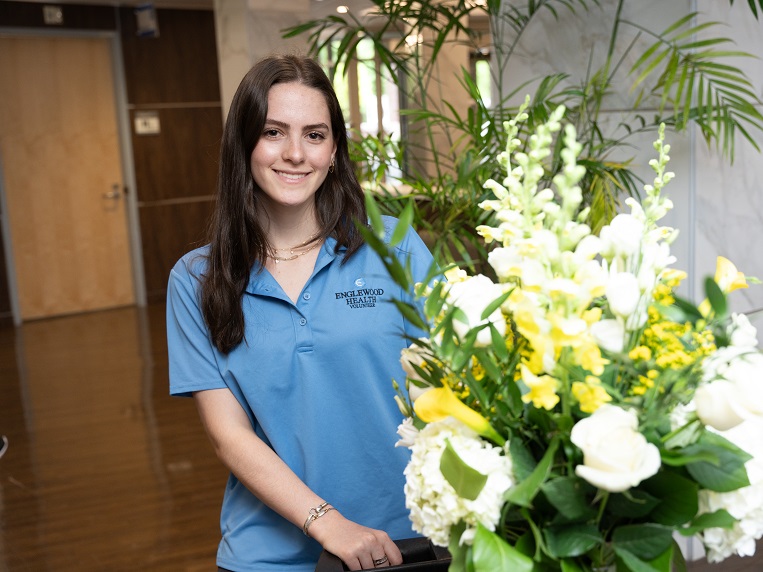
{"x":331,"y":166}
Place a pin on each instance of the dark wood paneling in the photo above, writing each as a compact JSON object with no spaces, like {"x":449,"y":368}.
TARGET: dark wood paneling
{"x":181,"y":160}
{"x":178,"y":66}
{"x":168,"y":232}
{"x":5,"y":297}
{"x":75,"y":16}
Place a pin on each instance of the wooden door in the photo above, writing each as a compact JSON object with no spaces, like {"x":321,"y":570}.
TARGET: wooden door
{"x":60,"y":157}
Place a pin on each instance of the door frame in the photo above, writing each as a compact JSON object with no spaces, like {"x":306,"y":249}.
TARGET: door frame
{"x":127,"y":163}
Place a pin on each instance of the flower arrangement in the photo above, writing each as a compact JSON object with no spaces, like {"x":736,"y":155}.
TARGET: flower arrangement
{"x":577,"y":414}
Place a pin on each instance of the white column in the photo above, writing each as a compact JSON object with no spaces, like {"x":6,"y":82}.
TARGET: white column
{"x":248,"y":30}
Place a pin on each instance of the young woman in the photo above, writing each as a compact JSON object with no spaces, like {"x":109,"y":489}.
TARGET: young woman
{"x":282,"y":330}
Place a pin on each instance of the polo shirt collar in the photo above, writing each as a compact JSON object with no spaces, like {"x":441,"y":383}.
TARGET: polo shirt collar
{"x":262,"y":282}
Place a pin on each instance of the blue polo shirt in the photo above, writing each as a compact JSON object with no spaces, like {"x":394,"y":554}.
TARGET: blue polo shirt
{"x":315,"y":379}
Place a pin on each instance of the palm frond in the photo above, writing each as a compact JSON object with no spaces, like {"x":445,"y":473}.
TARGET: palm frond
{"x":693,"y":81}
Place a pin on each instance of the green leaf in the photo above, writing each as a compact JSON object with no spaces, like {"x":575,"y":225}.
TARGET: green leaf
{"x":467,"y":481}
{"x":459,"y":553}
{"x":494,"y":305}
{"x":568,"y":496}
{"x":411,"y":313}
{"x":677,"y":561}
{"x":716,"y":297}
{"x":717,"y":519}
{"x":689,"y":310}
{"x":402,"y":226}
{"x":374,"y":215}
{"x":491,"y":553}
{"x":524,"y":492}
{"x":522,"y":460}
{"x":632,"y":562}
{"x":568,"y":565}
{"x":646,"y":541}
{"x":662,"y":562}
{"x":728,"y":474}
{"x":571,"y":540}
{"x":677,"y":496}
{"x":633,"y":504}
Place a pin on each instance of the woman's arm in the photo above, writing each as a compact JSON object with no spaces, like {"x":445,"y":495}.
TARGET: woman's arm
{"x":264,"y":473}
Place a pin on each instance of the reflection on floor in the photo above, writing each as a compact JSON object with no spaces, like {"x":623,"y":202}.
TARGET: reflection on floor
{"x":105,"y":471}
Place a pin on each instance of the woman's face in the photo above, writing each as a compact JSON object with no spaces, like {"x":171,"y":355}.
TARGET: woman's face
{"x":292,"y":157}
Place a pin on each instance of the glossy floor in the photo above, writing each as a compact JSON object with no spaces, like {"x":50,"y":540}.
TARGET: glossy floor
{"x":104,"y":471}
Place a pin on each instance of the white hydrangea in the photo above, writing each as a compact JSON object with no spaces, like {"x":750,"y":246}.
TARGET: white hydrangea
{"x":745,"y":504}
{"x":435,"y":507}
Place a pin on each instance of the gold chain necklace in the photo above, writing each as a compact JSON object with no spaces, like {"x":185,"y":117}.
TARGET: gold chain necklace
{"x":291,"y":250}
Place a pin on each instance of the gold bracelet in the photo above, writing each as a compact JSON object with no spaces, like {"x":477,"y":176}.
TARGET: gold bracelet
{"x":316,"y":513}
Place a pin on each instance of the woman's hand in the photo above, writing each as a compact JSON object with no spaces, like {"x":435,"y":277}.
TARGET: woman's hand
{"x":359,"y":547}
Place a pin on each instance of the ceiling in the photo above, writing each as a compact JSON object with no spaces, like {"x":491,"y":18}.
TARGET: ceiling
{"x":319,"y":8}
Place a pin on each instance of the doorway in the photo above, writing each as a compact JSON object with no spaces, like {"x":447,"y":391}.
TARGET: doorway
{"x":65,"y":208}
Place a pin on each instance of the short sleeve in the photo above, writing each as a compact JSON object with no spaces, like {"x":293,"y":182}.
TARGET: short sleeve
{"x":193,"y":360}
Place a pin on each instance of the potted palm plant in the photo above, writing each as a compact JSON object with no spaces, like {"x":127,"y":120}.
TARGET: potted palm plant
{"x":683,"y":74}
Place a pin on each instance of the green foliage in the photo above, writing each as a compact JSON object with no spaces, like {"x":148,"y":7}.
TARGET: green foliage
{"x":465,"y":480}
{"x":448,"y":152}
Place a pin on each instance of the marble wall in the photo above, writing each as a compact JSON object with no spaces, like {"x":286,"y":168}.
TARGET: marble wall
{"x":718,"y":208}
{"x":717,"y":204}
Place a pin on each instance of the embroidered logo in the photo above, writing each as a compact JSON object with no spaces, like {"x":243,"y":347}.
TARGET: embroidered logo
{"x":360,"y":298}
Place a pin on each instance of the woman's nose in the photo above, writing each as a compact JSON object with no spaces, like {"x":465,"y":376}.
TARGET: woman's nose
{"x":293,"y":151}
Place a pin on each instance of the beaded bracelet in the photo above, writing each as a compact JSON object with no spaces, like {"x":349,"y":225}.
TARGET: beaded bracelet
{"x":316,"y":513}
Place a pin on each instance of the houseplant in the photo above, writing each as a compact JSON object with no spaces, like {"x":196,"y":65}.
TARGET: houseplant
{"x":685,"y":72}
{"x":576,"y":413}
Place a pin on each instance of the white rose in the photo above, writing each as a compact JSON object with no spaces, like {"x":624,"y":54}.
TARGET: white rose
{"x":623,"y":294}
{"x":472,"y":296}
{"x":609,"y":335}
{"x":735,"y":390}
{"x":616,"y":456}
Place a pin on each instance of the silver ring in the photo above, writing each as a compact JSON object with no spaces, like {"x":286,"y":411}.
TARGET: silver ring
{"x":381,"y":561}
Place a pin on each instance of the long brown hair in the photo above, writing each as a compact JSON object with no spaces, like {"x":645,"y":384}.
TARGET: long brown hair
{"x":237,"y":239}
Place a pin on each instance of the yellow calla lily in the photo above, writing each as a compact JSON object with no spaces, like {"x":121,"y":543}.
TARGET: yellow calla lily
{"x":728,"y":279}
{"x":440,"y":402}
{"x":727,"y":276}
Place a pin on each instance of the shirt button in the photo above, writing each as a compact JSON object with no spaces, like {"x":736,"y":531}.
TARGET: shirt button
{"x":302,"y":321}
{"x":306,"y":295}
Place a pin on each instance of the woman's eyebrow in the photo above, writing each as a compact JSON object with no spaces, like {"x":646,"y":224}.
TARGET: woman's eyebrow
{"x":286,"y":125}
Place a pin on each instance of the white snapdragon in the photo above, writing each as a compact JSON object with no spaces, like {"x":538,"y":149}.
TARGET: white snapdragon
{"x":733,"y":388}
{"x":621,"y":238}
{"x":741,"y":332}
{"x":616,"y":456}
{"x":623,"y":294}
{"x":609,"y":335}
{"x":472,"y":297}
{"x":434,"y":505}
{"x":506,"y":262}
{"x":414,"y":354}
{"x":407,"y":432}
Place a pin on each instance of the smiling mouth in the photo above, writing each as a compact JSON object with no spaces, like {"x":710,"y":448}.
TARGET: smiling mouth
{"x":291,"y":176}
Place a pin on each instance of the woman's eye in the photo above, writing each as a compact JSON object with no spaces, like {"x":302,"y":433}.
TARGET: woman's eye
{"x":316,"y":136}
{"x":271,"y":133}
